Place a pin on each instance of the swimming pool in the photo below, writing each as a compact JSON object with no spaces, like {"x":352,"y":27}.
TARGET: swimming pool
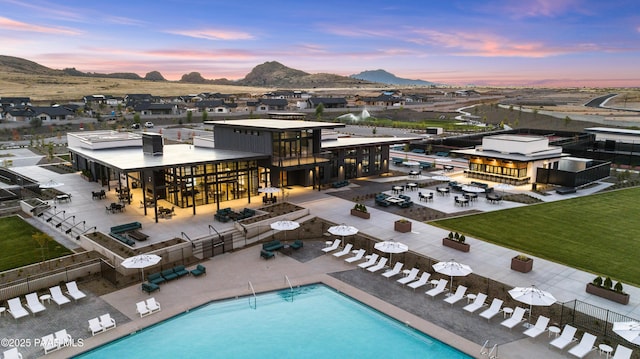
{"x":317,"y":323}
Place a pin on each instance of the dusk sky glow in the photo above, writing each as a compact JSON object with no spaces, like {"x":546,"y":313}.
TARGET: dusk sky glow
{"x":459,"y":42}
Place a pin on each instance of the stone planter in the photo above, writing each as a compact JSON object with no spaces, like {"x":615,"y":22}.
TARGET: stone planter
{"x":523,"y":266}
{"x":463,"y":247}
{"x":360,"y":214}
{"x":622,"y":298}
{"x":402,"y":226}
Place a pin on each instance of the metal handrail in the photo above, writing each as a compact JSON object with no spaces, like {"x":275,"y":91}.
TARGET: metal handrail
{"x":255,"y":298}
{"x":287,"y":281}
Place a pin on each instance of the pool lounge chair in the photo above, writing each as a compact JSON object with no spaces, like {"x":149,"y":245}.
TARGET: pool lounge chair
{"x":424,"y":279}
{"x":622,"y":352}
{"x":566,"y":337}
{"x":457,"y":296}
{"x":493,"y":310}
{"x":371,"y":261}
{"x":381,"y":264}
{"x":49,"y":343}
{"x":74,"y":292}
{"x":94,"y":326}
{"x":16,"y":309}
{"x":410,"y":277}
{"x":346,"y":250}
{"x":586,"y":346}
{"x":539,"y":328}
{"x":440,"y":288}
{"x":332,"y":247}
{"x":477,"y":303}
{"x":63,"y":338}
{"x":199,"y":270}
{"x":516,"y":318}
{"x":396,"y":269}
{"x":359,"y":255}
{"x":34,"y":304}
{"x":57,"y":296}
{"x":152,"y":305}
{"x":107,"y":322}
{"x":141,"y":308}
{"x":12,"y":353}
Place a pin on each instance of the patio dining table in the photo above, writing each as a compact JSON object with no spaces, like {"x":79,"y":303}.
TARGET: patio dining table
{"x":443,"y":190}
{"x":397,"y":189}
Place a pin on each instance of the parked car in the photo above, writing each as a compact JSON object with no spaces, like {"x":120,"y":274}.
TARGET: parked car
{"x":148,"y":124}
{"x":135,"y":126}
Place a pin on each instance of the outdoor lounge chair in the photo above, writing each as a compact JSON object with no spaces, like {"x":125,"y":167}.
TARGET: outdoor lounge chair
{"x":57,"y":296}
{"x":424,"y":279}
{"x":107,"y":322}
{"x":34,"y":304}
{"x":539,"y":328}
{"x":297,"y":244}
{"x":199,"y":270}
{"x":95,"y":327}
{"x":493,"y":310}
{"x":441,"y":287}
{"x":622,"y":352}
{"x":150,"y":287}
{"x":371,"y":261}
{"x":12,"y":353}
{"x":49,"y":343}
{"x":346,"y":250}
{"x":477,"y":303}
{"x":516,"y":318}
{"x":458,"y":295}
{"x":152,"y":305}
{"x":16,"y":309}
{"x":63,"y":338}
{"x":585,"y":346}
{"x":141,"y":308}
{"x":359,"y":255}
{"x":396,"y":269}
{"x":74,"y":292}
{"x":565,"y":338}
{"x":381,"y":264}
{"x":332,"y":247}
{"x":410,"y":277}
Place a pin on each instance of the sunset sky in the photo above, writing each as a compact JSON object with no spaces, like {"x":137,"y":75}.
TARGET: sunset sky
{"x":460,"y":42}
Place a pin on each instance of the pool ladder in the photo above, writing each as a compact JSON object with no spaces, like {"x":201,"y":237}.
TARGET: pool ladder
{"x":491,"y":354}
{"x":255,"y":299}
{"x":288,"y":282}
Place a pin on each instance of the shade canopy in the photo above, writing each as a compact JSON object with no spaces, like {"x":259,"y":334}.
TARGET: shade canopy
{"x":532,"y":296}
{"x":391,"y":248}
{"x":503,"y":186}
{"x":269,"y":190}
{"x":628,"y":330}
{"x":285,"y":225}
{"x":472,"y":189}
{"x":51,"y":184}
{"x":452,"y":269}
{"x":411,"y":163}
{"x":343,"y":230}
{"x":441,"y":178}
{"x":141,"y":261}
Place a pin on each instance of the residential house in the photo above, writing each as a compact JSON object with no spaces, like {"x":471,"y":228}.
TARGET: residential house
{"x":327,"y":102}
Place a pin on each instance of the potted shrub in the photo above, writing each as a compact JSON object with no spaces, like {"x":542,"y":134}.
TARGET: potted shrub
{"x":456,"y":241}
{"x":360,"y":210}
{"x":402,"y":225}
{"x":522,"y":263}
{"x":605,"y":289}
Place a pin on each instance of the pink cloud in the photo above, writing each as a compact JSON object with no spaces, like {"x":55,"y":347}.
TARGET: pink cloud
{"x":351,"y":31}
{"x":13,"y":25}
{"x":214,"y":34}
{"x":49,"y":10}
{"x":539,"y":8}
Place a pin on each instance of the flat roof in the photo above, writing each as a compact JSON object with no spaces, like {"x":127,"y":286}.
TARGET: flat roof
{"x":275,"y":124}
{"x":619,"y":131}
{"x":342,"y":142}
{"x":511,"y":156}
{"x":517,"y":138}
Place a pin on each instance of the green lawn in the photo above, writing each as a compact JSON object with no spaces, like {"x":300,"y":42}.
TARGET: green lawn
{"x":18,"y":248}
{"x":598,"y":233}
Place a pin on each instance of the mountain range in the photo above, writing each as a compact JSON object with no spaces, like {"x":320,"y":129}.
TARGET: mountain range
{"x":384,"y":77}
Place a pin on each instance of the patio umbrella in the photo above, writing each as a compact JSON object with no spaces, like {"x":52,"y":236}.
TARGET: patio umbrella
{"x":628,"y":330}
{"x":532,"y":296}
{"x":141,"y":261}
{"x":391,"y":248}
{"x":343,"y":230}
{"x":452,"y":269}
{"x":51,"y":184}
{"x":284,"y":226}
{"x":411,"y":163}
{"x":503,"y":187}
{"x":441,"y":178}
{"x":270,"y":190}
{"x":472,"y":189}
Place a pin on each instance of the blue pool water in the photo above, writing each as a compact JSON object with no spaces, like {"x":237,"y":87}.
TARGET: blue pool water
{"x":317,"y":323}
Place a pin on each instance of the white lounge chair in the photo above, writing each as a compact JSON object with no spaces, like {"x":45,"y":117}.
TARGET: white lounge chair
{"x":359,"y":255}
{"x":57,"y":296}
{"x":74,"y":292}
{"x":107,"y":322}
{"x":396,"y":269}
{"x":410,"y":277}
{"x":152,"y":305}
{"x":441,"y":287}
{"x":494,"y":309}
{"x":12,"y":353}
{"x":49,"y":343}
{"x":16,"y":309}
{"x":566,"y":337}
{"x":346,"y":250}
{"x":539,"y":328}
{"x":63,"y":338}
{"x":586,"y":345}
{"x":516,"y":318}
{"x":458,"y":295}
{"x":95,"y":327}
{"x":141,"y":308}
{"x":424,"y":279}
{"x":332,"y":247}
{"x":622,"y":352}
{"x":33,"y":303}
{"x":371,"y":261}
{"x":477,"y":303}
{"x":381,"y":264}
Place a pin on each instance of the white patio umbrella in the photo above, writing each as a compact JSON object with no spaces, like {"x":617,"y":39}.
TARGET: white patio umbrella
{"x":441,"y":178}
{"x":343,"y":230}
{"x":141,"y":261}
{"x":285,"y":226}
{"x":472,"y":189}
{"x":630,"y":331}
{"x":391,"y":248}
{"x":452,"y":269}
{"x":532,"y":296}
{"x":411,"y":163}
{"x":270,"y":190}
{"x":503,"y":187}
{"x":50,"y":184}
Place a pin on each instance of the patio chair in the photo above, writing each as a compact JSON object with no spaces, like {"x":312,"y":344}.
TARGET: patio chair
{"x":12,"y":353}
{"x":410,"y":277}
{"x":516,"y":318}
{"x":457,"y":296}
{"x":346,"y":250}
{"x":565,"y":338}
{"x":152,"y":305}
{"x":16,"y":309}
{"x":539,"y":328}
{"x":332,"y":247}
{"x":107,"y":322}
{"x":57,"y":296}
{"x":49,"y":343}
{"x":34,"y":304}
{"x":63,"y":338}
{"x":441,"y":287}
{"x":396,"y":269}
{"x":585,"y":346}
{"x":141,"y":308}
{"x":622,"y":352}
{"x":424,"y":279}
{"x":494,"y":309}
{"x":371,"y":261}
{"x":381,"y":264}
{"x":95,"y":327}
{"x":477,"y":303}
{"x":358,"y":256}
{"x":74,"y":292}
{"x":199,"y":270}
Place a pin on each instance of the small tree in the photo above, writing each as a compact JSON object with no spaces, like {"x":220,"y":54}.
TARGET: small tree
{"x":597,"y":281}
{"x":319,"y":111}
{"x":607,"y":283}
{"x":42,"y":240}
{"x":205,"y":114}
{"x":136,"y":117}
{"x":618,"y":287}
{"x":189,"y":116}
